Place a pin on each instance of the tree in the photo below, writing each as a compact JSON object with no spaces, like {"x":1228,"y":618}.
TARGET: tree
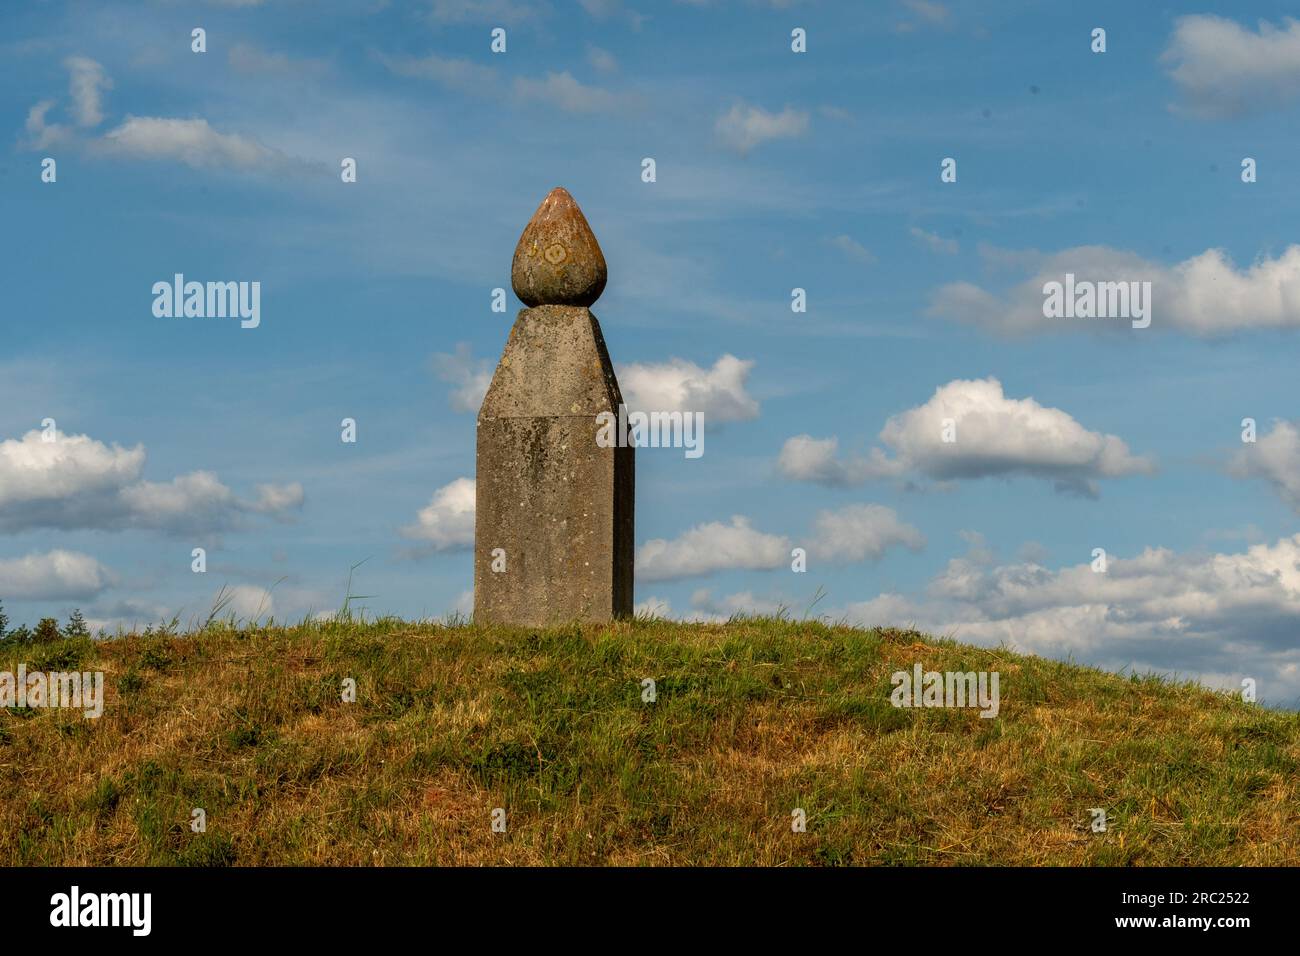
{"x":46,"y":630}
{"x":20,"y":635}
{"x":76,"y":625}
{"x":4,"y":620}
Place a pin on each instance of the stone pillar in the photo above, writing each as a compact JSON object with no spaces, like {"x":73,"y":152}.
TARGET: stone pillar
{"x":552,"y":505}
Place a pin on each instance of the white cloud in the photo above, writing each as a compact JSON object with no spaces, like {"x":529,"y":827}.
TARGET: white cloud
{"x":1217,"y":616}
{"x":1206,"y":295}
{"x":1224,"y":69}
{"x":32,"y":469}
{"x":861,"y":533}
{"x":678,"y":385}
{"x":78,"y":482}
{"x":936,"y":242}
{"x":277,"y":499}
{"x":41,"y":133}
{"x":1274,"y":457}
{"x":745,"y":127}
{"x":200,"y":492}
{"x":711,"y":547}
{"x":469,"y":376}
{"x":190,"y":141}
{"x":853,"y":249}
{"x":562,"y":90}
{"x":250,"y":602}
{"x":804,"y":458}
{"x":854,"y":533}
{"x":54,"y":575}
{"x":995,"y":436}
{"x":447,"y":522}
{"x":465,"y":76}
{"x":653,"y":607}
{"x":86,"y":84}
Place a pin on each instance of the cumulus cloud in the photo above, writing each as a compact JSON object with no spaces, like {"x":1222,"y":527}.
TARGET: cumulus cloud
{"x":86,"y":84}
{"x":711,"y":547}
{"x":247,"y":601}
{"x":678,"y":385}
{"x":1206,"y":295}
{"x":745,"y":127}
{"x":470,"y":377}
{"x":190,"y":141}
{"x":447,"y":522}
{"x":76,"y":482}
{"x":1217,"y":617}
{"x":1224,"y":69}
{"x":719,"y":392}
{"x":861,"y":533}
{"x":994,"y":436}
{"x":1275,"y":458}
{"x":52,"y":576}
{"x":854,"y":533}
{"x":804,"y":458}
{"x":277,"y":499}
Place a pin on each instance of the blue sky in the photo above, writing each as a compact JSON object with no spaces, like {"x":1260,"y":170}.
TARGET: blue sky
{"x":774,"y":170}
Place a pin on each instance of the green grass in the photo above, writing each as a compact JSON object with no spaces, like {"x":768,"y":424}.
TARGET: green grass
{"x":753,"y":719}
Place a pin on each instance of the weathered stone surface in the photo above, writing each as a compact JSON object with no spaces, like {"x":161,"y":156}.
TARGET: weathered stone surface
{"x":557,"y":504}
{"x":550,"y":502}
{"x":558,"y":260}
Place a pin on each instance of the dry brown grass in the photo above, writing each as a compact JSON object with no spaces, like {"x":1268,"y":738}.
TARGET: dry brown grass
{"x":753,"y":719}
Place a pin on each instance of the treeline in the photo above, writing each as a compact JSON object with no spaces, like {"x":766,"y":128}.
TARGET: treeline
{"x":47,"y":629}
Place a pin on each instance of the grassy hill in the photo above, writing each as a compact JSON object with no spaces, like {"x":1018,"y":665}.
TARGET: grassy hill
{"x":752,"y":719}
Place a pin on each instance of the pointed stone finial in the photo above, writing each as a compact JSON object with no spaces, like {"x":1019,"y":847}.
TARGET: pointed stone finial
{"x":558,"y":260}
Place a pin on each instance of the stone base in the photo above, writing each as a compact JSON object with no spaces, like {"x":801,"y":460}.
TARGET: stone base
{"x":558,"y":506}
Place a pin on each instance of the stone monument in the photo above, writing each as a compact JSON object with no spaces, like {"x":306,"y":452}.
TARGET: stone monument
{"x":553,"y":521}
